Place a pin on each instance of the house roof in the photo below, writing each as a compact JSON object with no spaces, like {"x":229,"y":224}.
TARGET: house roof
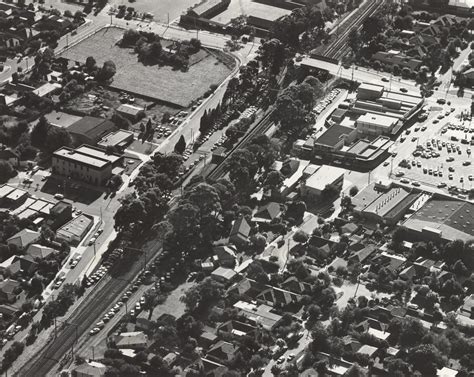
{"x":225,"y":273}
{"x":364,"y":253}
{"x":92,"y":127}
{"x":240,"y":229}
{"x":367,"y":350}
{"x":9,"y":286}
{"x":269,"y":211}
{"x":39,"y":251}
{"x":7,"y":153}
{"x":222,"y":351}
{"x":130,"y":339}
{"x":91,"y":368}
{"x":25,"y":237}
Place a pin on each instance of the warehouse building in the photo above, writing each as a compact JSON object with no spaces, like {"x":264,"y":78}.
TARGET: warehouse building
{"x":313,"y":187}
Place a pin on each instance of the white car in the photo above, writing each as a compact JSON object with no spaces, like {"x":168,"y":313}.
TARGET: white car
{"x":58,"y":196}
{"x":94,"y":331}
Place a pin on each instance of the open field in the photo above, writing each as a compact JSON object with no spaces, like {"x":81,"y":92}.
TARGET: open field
{"x":160,"y":83}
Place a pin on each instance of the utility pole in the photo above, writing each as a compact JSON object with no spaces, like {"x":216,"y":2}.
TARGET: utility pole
{"x":55,"y":328}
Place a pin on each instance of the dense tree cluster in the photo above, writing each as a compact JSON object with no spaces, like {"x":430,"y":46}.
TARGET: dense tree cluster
{"x":148,"y":47}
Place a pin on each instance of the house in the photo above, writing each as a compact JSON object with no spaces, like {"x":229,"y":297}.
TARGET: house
{"x":224,"y":275}
{"x":59,"y":214}
{"x":391,"y":262}
{"x":350,"y":344}
{"x":222,"y":352}
{"x":261,"y":315}
{"x":6,"y":154}
{"x":24,"y":238}
{"x":170,"y":358}
{"x":207,"y":339}
{"x":133,"y":340}
{"x":246,"y":288}
{"x":89,"y":369}
{"x":37,"y":251}
{"x":278,"y":297}
{"x":294,"y":285}
{"x":367,"y":350}
{"x":374,"y":328}
{"x":224,"y":256}
{"x":361,"y":255}
{"x":239,"y":234}
{"x":89,"y":130}
{"x":9,"y":290}
{"x":19,"y":264}
{"x":236,"y":329}
{"x":268,"y":212}
{"x":467,"y":309}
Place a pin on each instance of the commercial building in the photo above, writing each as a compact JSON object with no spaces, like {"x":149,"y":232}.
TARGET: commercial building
{"x":208,"y":8}
{"x":119,"y":139}
{"x":89,"y":130}
{"x":325,"y":175}
{"x":263,"y":16}
{"x":441,"y":219}
{"x":75,"y":230}
{"x":374,"y":124}
{"x":86,"y":163}
{"x":382,"y":204}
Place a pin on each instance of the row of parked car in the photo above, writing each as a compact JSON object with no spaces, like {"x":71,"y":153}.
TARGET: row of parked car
{"x":326,"y":101}
{"x":106,"y":265}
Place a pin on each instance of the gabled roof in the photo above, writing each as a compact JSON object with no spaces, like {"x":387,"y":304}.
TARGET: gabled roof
{"x":277,"y":296}
{"x":269,"y":211}
{"x":240,"y":229}
{"x":364,"y":253}
{"x":9,"y":286}
{"x":39,"y":251}
{"x":91,"y":368}
{"x":222,"y":350}
{"x":92,"y":127}
{"x":24,"y":237}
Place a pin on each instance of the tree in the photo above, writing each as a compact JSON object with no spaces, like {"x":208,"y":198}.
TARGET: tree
{"x":115,"y":182}
{"x":353,"y":191}
{"x":354,"y":40}
{"x":203,"y":295}
{"x":397,"y":367}
{"x":460,"y":268}
{"x":6,"y":171}
{"x":300,"y":236}
{"x":91,"y":64}
{"x":180,"y":146}
{"x":107,"y":72}
{"x":425,"y":359}
{"x":120,"y":121}
{"x":39,"y":132}
{"x":329,"y":191}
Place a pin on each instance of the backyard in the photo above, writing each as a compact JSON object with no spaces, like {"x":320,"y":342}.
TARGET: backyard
{"x":158,"y":82}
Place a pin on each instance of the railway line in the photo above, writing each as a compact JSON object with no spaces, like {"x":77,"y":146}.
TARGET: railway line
{"x":338,"y":48}
{"x":76,"y":327}
{"x":261,"y":127}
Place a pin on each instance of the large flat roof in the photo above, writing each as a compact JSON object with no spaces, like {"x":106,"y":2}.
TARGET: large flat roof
{"x":71,"y":155}
{"x":87,"y":155}
{"x":387,"y":201}
{"x":5,"y":190}
{"x":453,"y":218}
{"x":325,"y":175}
{"x":115,"y":138}
{"x":333,"y":135}
{"x":379,"y":120}
{"x":76,"y":226}
{"x":265,"y":11}
{"x":98,"y":153}
{"x":61,"y":119}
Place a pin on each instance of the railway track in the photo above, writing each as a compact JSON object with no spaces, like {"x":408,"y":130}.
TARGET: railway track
{"x":338,"y":48}
{"x":78,"y":324}
{"x":261,"y":127}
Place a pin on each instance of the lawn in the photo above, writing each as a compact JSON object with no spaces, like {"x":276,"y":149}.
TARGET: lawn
{"x":160,"y":83}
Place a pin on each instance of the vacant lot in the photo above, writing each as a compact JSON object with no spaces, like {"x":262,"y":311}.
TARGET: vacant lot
{"x":161,"y":83}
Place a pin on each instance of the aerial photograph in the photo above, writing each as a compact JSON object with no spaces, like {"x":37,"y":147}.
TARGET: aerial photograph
{"x":226,"y":188}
